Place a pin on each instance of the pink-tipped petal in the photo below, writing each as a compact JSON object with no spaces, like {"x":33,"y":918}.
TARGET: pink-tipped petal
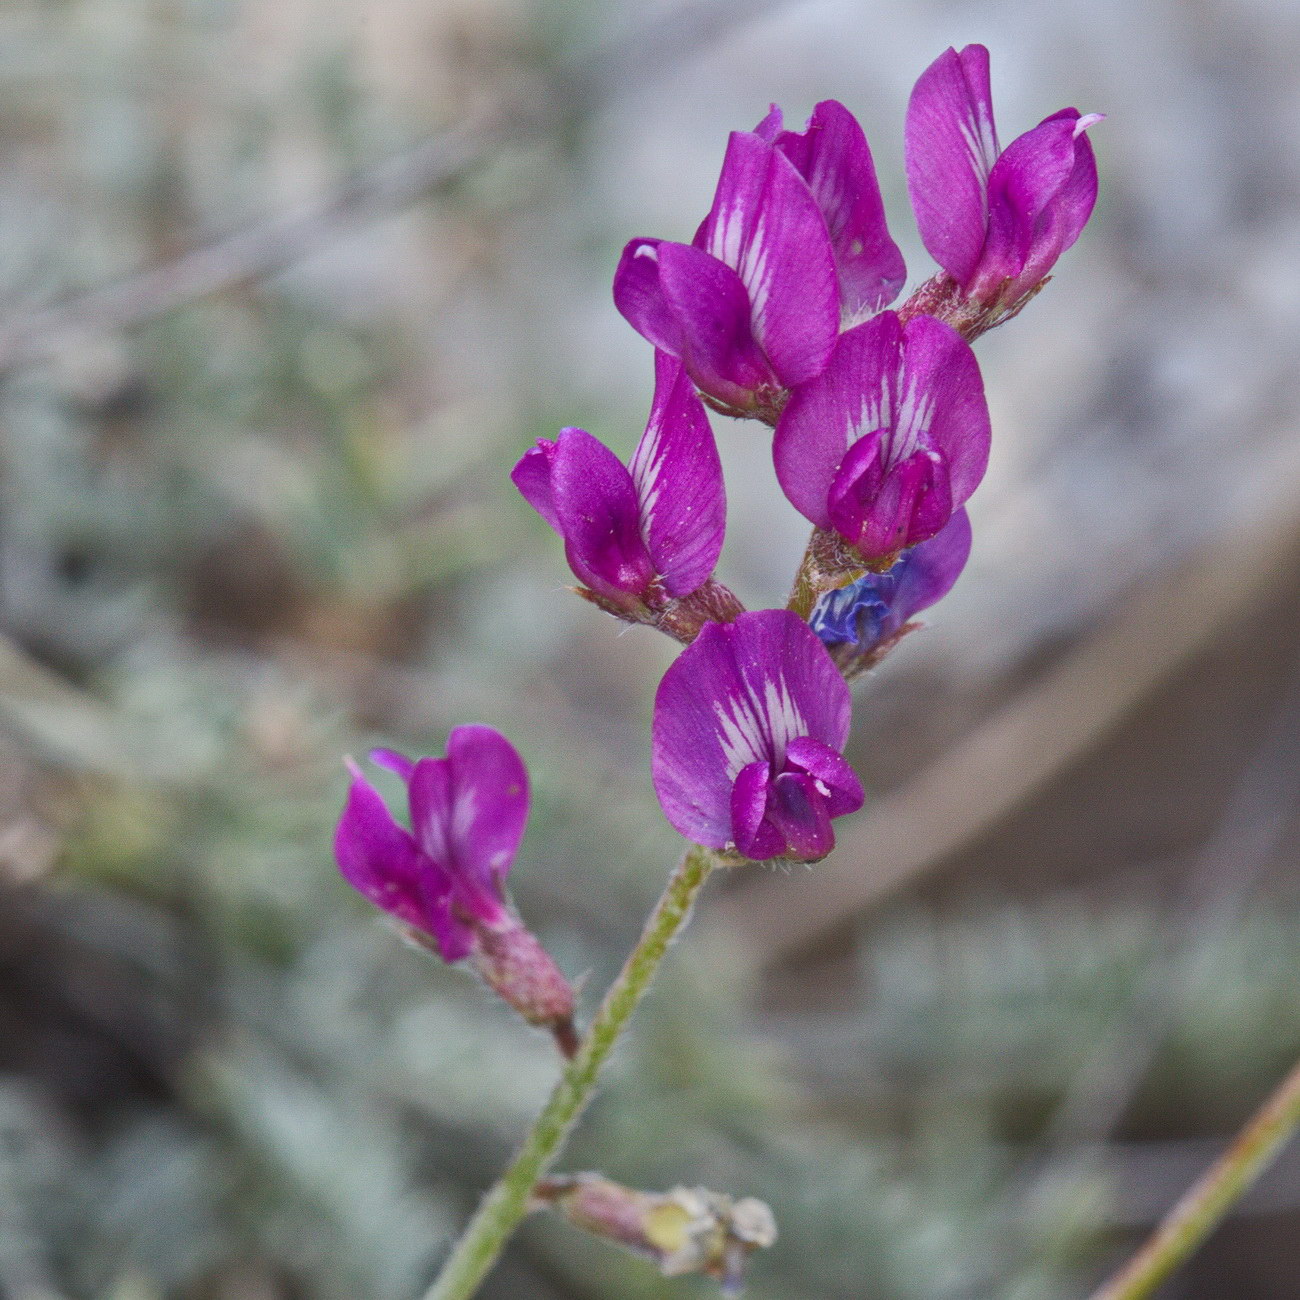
{"x":639,"y":296}
{"x":392,"y":761}
{"x":771,"y":126}
{"x":951,"y":147}
{"x":678,"y":480}
{"x":1022,"y":192}
{"x":1050,"y":185}
{"x":766,"y":224}
{"x":833,"y":157}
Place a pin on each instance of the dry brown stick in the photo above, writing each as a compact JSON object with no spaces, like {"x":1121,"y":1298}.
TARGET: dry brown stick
{"x":578,"y":86}
{"x":1055,"y":721}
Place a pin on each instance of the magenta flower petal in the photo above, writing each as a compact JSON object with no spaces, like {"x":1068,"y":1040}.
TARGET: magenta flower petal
{"x":737,"y":696}
{"x":599,"y":516}
{"x":429,"y":795}
{"x":890,"y":438}
{"x":720,"y":347}
{"x":765,"y":223}
{"x":649,"y":532}
{"x":951,"y":146}
{"x":881,"y":510}
{"x":850,"y":400}
{"x":447,"y":875}
{"x":639,"y":296}
{"x":694,"y":307}
{"x":833,"y":157}
{"x":446,"y":917}
{"x":490,"y":809}
{"x":532,"y":476}
{"x":377,"y":857}
{"x":873,"y":609}
{"x":839,"y":782}
{"x":678,"y":480}
{"x":772,"y":125}
{"x":754,"y":835}
{"x":941,"y":403}
{"x":752,"y":307}
{"x":800,"y":815}
{"x":382,"y":862}
{"x":447,"y":880}
{"x":394,"y":762}
{"x":1041,"y":193}
{"x":469,"y":810}
{"x":995,"y":220}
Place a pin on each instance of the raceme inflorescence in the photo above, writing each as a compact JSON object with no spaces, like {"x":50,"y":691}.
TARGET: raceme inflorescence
{"x":780,"y":311}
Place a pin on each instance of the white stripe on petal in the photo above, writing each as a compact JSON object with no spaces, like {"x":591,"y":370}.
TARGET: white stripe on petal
{"x":784,"y":717}
{"x":743,"y":736}
{"x":875,"y":412}
{"x":914,"y":415}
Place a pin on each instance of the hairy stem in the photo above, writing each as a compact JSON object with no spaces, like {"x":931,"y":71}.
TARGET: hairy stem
{"x":508,"y":1201}
{"x":1203,"y":1207}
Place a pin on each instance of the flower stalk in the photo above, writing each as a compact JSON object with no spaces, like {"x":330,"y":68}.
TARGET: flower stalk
{"x":1208,"y":1202}
{"x":509,"y":1200}
{"x":778,"y":312}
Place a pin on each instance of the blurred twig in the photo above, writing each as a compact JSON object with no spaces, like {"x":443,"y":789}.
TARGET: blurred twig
{"x":1220,"y":878}
{"x":1054,"y":722}
{"x":578,"y":86}
{"x":1205,"y":1205}
{"x":251,"y":254}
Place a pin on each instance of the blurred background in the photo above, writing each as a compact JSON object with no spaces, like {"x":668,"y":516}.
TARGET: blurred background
{"x":287,"y":285}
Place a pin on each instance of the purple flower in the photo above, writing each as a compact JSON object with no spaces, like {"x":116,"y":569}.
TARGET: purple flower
{"x":445,"y":878}
{"x":749,"y":722}
{"x":637,"y":534}
{"x":870,"y":613}
{"x":752,"y":306}
{"x":890,"y":439}
{"x":995,"y":219}
{"x":833,"y":157}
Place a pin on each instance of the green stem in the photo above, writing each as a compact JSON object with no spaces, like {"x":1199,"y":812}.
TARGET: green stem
{"x":506,"y":1204}
{"x":803,"y":595}
{"x":1202,"y":1208}
{"x":828,"y":563}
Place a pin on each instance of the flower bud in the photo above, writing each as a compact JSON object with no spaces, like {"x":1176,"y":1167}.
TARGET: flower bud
{"x":685,"y":1230}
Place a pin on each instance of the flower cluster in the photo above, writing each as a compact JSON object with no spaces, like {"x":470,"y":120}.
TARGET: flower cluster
{"x":779,"y":310}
